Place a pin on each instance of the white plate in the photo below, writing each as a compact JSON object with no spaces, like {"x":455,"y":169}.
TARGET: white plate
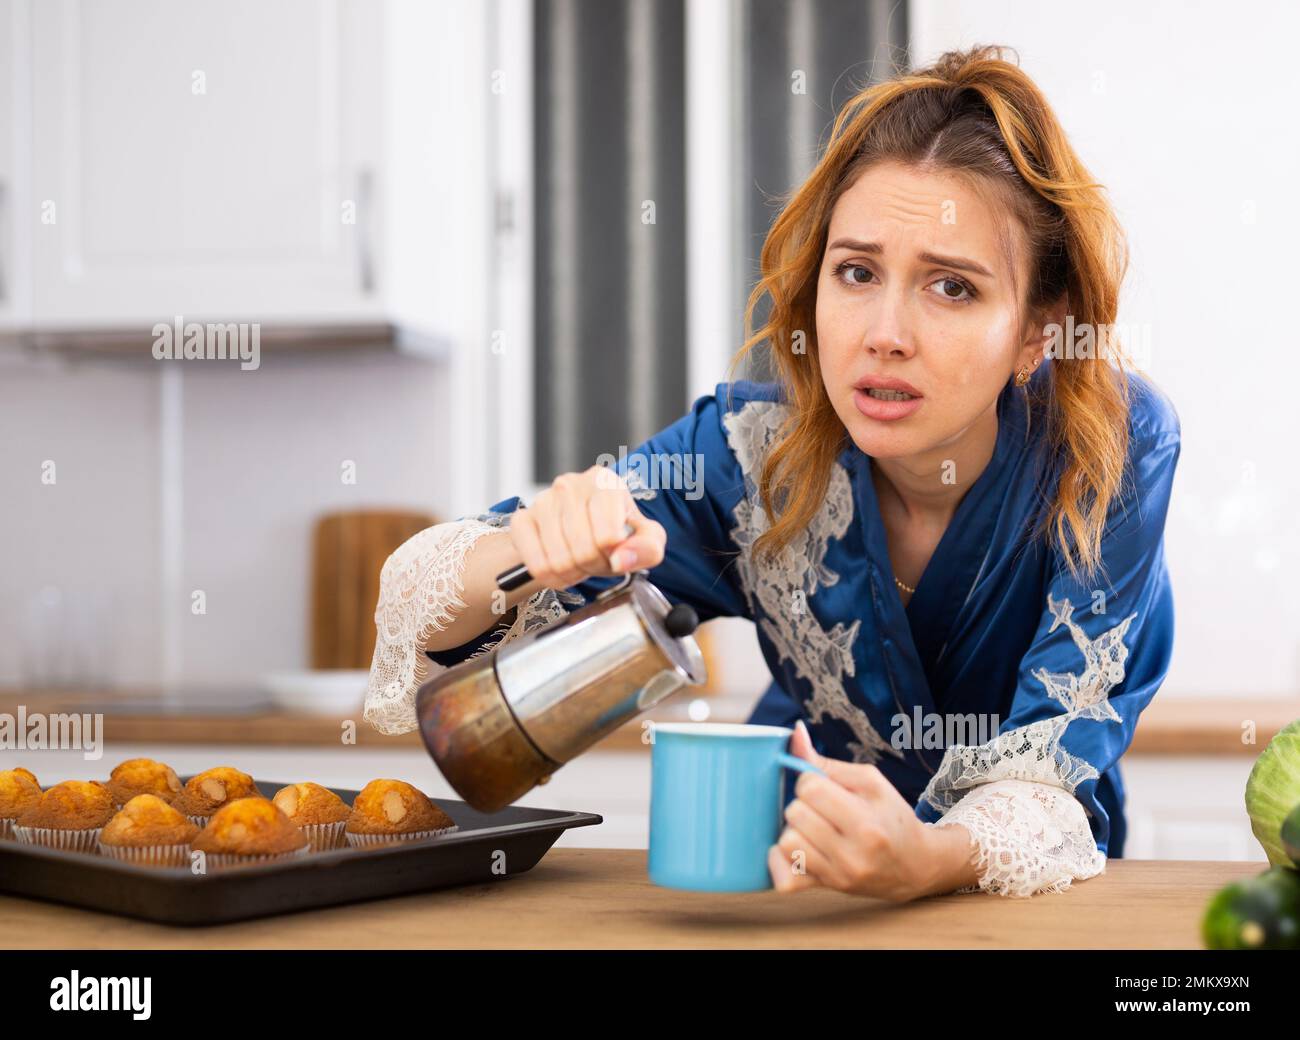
{"x":337,"y":692}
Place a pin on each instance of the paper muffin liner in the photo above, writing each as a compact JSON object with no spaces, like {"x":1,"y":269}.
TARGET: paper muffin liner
{"x":148,"y":855}
{"x":7,"y":829}
{"x":60,"y":838}
{"x":365,"y":841}
{"x":325,"y":836}
{"x":231,"y":860}
{"x":202,"y":821}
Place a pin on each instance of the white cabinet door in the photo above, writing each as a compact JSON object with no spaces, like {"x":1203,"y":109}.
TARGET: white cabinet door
{"x":15,"y":265}
{"x":1188,"y":807}
{"x":205,"y":158}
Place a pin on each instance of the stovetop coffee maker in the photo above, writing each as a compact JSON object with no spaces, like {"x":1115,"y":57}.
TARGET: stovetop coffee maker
{"x":500,"y":724}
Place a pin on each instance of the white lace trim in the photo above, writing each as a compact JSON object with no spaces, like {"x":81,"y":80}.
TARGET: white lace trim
{"x":420,"y":589}
{"x":1009,"y":775}
{"x":1029,"y":838}
{"x":637,"y":486}
{"x":1033,"y":751}
{"x":782,"y":587}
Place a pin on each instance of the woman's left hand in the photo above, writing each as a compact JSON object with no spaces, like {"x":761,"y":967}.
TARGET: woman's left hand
{"x":852,"y":831}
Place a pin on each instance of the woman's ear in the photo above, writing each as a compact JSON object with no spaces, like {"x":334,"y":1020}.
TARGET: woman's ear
{"x":1045,"y":336}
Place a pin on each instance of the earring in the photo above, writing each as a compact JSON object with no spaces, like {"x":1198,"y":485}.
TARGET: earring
{"x":1022,"y":377}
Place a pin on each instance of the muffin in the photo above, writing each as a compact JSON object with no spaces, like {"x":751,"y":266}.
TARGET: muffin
{"x":149,"y":832}
{"x":18,"y":793}
{"x":389,"y":810}
{"x":69,"y":815}
{"x":317,"y":811}
{"x":210,"y":790}
{"x":248,"y":831}
{"x":143,"y":776}
{"x":29,"y":774}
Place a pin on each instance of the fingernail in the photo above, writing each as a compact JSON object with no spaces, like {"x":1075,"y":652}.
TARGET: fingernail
{"x":624,"y":558}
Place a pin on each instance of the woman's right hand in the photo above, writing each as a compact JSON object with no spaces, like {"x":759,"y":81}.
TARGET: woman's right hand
{"x":574,"y":530}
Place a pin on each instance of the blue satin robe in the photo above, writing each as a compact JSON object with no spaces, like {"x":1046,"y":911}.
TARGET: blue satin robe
{"x":1050,"y":676}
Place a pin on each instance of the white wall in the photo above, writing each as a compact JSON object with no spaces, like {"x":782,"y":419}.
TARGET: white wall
{"x":262,"y":452}
{"x":97,"y":527}
{"x":1185,"y":112}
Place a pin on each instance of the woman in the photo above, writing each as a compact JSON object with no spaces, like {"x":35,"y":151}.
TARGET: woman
{"x":946,"y":521}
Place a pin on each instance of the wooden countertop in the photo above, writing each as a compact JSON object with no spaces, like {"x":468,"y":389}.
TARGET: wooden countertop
{"x":1169,"y":726}
{"x":602,"y":898}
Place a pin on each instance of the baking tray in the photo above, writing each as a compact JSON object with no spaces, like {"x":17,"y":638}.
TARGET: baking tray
{"x":513,"y":840}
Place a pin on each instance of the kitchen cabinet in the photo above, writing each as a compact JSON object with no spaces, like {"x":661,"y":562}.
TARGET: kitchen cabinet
{"x":14,"y":81}
{"x":1189,"y":807}
{"x":212,"y":160}
{"x":321,"y":169}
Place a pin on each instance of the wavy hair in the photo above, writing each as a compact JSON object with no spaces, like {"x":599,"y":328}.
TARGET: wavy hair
{"x":977,"y":116}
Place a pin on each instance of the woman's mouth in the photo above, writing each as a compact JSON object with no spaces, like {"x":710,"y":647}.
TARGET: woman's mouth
{"x":885,"y":405}
{"x":888,"y":395}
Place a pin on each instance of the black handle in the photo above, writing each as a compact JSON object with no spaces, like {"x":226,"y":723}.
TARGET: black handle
{"x":681,"y":620}
{"x":519,"y":575}
{"x":508,"y":581}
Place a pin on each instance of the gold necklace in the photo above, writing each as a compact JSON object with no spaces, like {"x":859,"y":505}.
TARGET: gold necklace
{"x":906,"y":588}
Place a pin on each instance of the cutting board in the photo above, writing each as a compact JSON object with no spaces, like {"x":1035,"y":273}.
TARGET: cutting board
{"x":348,"y":552}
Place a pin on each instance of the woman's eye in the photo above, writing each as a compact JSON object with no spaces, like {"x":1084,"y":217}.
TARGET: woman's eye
{"x":857,"y":274}
{"x":961,"y":287}
{"x":953,"y":289}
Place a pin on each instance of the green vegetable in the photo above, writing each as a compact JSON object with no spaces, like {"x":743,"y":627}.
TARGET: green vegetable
{"x":1291,"y":835}
{"x":1260,"y":913}
{"x":1273,"y":791}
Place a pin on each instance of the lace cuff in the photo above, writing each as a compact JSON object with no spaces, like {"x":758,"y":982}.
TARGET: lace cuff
{"x":420,"y":589}
{"x":419,"y":594}
{"x":1029,"y":837}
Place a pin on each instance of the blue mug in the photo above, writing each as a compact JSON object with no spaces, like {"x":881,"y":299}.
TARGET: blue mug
{"x":716,"y":803}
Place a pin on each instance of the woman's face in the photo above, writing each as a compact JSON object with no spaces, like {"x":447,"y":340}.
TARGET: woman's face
{"x":913,"y":287}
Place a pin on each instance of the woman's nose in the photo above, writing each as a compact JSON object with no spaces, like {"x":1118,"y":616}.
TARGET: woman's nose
{"x":888,"y":332}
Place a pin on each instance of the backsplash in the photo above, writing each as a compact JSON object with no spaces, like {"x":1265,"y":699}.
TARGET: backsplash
{"x":263,"y":455}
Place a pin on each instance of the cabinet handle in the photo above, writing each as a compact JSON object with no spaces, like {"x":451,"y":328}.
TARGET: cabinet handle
{"x":365,"y":256}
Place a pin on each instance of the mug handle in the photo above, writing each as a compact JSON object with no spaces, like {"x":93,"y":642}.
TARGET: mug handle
{"x":801,"y":765}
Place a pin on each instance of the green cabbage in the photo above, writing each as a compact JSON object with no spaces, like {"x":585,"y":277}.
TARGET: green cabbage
{"x":1273,"y":790}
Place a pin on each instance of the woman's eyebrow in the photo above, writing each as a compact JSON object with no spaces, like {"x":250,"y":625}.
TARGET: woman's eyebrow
{"x":874,"y":248}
